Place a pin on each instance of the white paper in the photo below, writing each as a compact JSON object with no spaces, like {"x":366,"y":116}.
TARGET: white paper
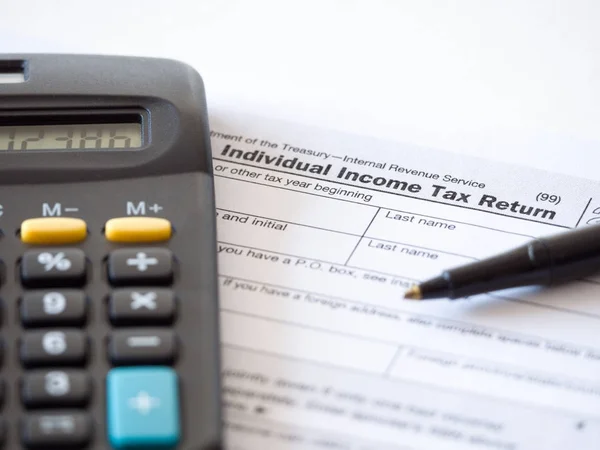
{"x":319,"y":349}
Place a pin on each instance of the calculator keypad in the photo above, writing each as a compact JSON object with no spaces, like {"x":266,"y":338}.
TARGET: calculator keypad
{"x":56,"y":388}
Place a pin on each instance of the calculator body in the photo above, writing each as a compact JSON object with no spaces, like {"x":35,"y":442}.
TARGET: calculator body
{"x":143,"y":363}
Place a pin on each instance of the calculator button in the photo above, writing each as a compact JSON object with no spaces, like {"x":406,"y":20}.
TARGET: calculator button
{"x":142,"y":346}
{"x":53,"y":230}
{"x":56,"y":430}
{"x":59,"y":388}
{"x":64,"y":267}
{"x":64,"y":307}
{"x":140,"y":266}
{"x":137,"y":229}
{"x":142,"y":407}
{"x":141,"y":306}
{"x":47,"y":348}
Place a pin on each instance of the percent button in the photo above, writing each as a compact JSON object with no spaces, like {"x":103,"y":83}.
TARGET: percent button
{"x":53,"y":267}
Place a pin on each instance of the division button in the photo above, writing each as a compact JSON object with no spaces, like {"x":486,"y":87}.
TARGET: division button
{"x":137,"y":229}
{"x":53,"y":231}
{"x":140,"y":266}
{"x":142,"y":407}
{"x":141,"y":306}
{"x":51,"y":348}
{"x":61,"y":307}
{"x":56,"y":430}
{"x":56,"y":388}
{"x":53,"y":267}
{"x":142,"y":346}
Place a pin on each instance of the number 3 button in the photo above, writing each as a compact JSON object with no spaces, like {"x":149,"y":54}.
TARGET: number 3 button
{"x":47,"y":388}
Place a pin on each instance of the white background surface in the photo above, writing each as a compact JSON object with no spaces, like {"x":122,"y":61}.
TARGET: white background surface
{"x":511,"y":80}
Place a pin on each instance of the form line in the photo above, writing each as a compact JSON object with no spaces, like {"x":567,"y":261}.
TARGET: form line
{"x":584,"y":211}
{"x":361,"y":237}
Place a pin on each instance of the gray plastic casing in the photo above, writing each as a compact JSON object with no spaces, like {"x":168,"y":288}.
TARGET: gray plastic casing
{"x":173,"y":170}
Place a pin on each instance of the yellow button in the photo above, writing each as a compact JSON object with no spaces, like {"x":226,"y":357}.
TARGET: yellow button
{"x":137,"y":229}
{"x":53,"y":230}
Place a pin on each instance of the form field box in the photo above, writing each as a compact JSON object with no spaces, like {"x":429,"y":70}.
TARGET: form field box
{"x":305,"y":343}
{"x":294,"y":207}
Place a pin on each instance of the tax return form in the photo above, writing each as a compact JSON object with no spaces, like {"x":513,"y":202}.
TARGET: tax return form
{"x":320,"y":234}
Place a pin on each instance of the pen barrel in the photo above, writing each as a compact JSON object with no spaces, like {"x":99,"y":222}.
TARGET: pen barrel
{"x":544,"y":261}
{"x":525,"y":265}
{"x":574,"y":255}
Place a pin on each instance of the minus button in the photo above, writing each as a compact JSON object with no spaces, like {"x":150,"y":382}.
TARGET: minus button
{"x":143,"y":341}
{"x":142,"y":346}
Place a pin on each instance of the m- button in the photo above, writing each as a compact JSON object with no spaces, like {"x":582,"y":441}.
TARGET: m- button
{"x":53,"y":230}
{"x":140,"y":266}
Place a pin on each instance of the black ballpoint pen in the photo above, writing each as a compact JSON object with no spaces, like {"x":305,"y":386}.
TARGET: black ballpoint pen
{"x":543,"y":261}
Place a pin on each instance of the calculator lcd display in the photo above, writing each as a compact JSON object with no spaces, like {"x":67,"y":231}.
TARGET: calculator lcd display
{"x":74,"y":137}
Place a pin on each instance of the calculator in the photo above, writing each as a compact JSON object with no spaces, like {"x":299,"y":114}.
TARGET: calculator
{"x":109,"y":302}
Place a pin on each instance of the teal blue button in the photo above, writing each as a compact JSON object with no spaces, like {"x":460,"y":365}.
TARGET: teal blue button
{"x":142,"y":407}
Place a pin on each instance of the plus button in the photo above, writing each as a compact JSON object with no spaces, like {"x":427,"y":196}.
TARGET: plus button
{"x":142,"y":405}
{"x":143,"y":402}
{"x":142,"y":261}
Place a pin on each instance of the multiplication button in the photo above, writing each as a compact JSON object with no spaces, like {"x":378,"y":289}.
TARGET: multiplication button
{"x":64,"y":267}
{"x":139,"y":266}
{"x":141,"y":306}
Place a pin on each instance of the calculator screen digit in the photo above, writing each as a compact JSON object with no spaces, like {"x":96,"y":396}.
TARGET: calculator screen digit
{"x":71,"y":137}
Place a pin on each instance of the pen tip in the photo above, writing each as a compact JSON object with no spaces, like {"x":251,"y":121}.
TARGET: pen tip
{"x":414,"y":293}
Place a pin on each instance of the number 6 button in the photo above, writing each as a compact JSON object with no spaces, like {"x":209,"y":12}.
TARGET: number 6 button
{"x":40,"y":348}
